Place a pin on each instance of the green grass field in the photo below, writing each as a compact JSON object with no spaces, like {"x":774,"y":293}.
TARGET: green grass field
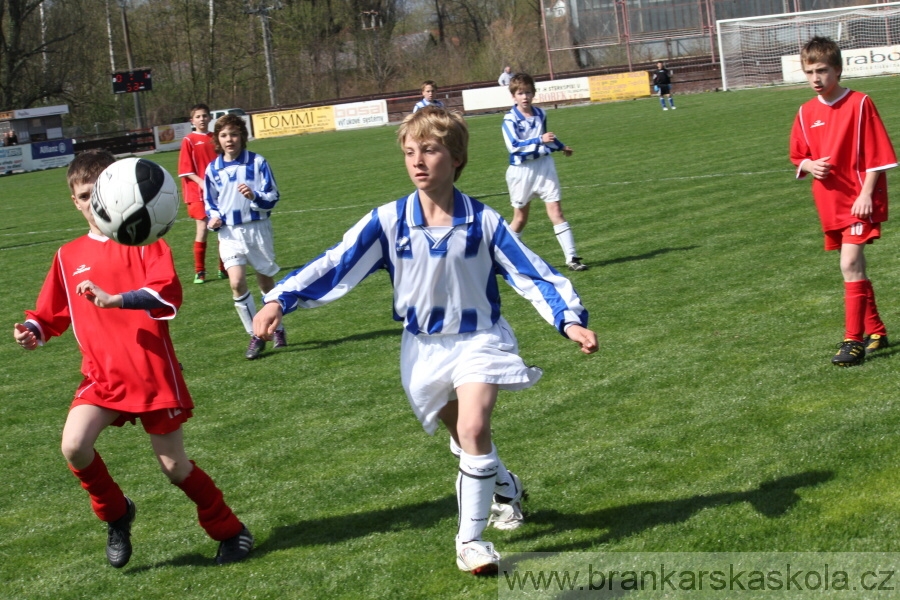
{"x":711,"y":418}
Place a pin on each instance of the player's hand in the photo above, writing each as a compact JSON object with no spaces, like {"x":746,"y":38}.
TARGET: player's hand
{"x":24,"y":337}
{"x":862,"y":206}
{"x":267,"y":320}
{"x":214,"y":223}
{"x":567,"y":151}
{"x":96,"y":296}
{"x":586,"y":338}
{"x":246,"y":192}
{"x":820,"y":168}
{"x":548,"y":138}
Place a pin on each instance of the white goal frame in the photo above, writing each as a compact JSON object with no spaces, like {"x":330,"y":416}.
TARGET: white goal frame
{"x":752,"y":49}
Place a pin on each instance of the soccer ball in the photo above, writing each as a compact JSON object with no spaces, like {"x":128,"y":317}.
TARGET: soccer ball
{"x":135,"y":201}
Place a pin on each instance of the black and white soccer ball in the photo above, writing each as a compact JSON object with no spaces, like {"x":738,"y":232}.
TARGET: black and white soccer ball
{"x":135,"y":201}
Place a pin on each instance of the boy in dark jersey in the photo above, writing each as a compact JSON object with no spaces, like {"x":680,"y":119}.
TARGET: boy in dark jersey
{"x":840,"y":140}
{"x":129,"y":367}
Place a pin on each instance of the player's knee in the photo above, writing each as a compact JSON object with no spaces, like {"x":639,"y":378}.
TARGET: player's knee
{"x":174,"y":469}
{"x":77,"y":451}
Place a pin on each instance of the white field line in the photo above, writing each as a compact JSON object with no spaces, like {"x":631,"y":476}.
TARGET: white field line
{"x":80,"y":230}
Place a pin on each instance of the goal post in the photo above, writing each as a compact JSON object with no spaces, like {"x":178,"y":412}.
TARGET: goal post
{"x":758,"y":51}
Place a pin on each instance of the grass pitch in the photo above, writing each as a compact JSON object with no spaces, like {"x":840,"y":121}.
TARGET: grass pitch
{"x":711,"y":418}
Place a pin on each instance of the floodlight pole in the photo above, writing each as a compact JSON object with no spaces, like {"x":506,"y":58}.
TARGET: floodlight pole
{"x":138,"y":118}
{"x":546,"y":39}
{"x":263,"y":12}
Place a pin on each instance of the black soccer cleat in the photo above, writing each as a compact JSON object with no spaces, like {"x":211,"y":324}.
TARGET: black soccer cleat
{"x":235,"y":548}
{"x":850,"y":353}
{"x":257,"y":345}
{"x":875,"y":342}
{"x":118,"y":538}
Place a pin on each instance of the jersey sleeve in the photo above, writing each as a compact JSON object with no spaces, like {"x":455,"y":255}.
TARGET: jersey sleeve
{"x":211,"y":193}
{"x":186,"y":159}
{"x":551,"y":294}
{"x":266,"y":189}
{"x":799,"y":145}
{"x":334,"y":273}
{"x":877,"y":151}
{"x":161,"y":281}
{"x":51,"y":313}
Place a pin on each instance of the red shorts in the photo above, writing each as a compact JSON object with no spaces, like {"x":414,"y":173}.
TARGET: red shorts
{"x":196,"y":211}
{"x":858,"y":233}
{"x":157,"y":422}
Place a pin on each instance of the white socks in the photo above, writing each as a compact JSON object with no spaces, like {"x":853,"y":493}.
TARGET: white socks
{"x":566,"y":240}
{"x":474,"y":493}
{"x":504,"y":481}
{"x":246,"y":310}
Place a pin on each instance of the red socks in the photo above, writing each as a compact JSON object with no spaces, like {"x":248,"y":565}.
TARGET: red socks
{"x":107,"y":498}
{"x":214,"y":515}
{"x":199,"y":256}
{"x":874,"y":324}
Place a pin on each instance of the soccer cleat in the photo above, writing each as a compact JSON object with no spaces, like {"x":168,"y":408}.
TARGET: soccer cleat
{"x":118,"y":538}
{"x":223,"y":274}
{"x":506,"y":512}
{"x":875,"y":342}
{"x":200,"y":277}
{"x":256,"y":346}
{"x":235,"y":548}
{"x":673,"y":108}
{"x":477,"y":557}
{"x":280,"y":338}
{"x":850,"y":353}
{"x":664,"y":108}
{"x":576,"y":265}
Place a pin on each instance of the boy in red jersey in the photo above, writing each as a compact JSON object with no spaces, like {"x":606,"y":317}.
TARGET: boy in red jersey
{"x":129,"y":367}
{"x":840,"y":140}
{"x":197,"y":151}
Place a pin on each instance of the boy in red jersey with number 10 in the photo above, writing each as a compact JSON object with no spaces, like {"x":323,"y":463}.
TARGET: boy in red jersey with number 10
{"x":118,"y":300}
{"x":840,"y":140}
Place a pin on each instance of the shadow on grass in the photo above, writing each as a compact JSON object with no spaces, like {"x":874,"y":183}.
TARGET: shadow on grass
{"x":359,"y":337}
{"x":333,"y":530}
{"x":771,"y":499}
{"x":645,"y":256}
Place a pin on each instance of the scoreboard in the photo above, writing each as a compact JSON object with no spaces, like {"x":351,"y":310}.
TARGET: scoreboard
{"x":126,"y":82}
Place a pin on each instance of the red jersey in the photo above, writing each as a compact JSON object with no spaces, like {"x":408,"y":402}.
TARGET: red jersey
{"x":128,"y":360}
{"x":197,"y":151}
{"x":849,"y":131}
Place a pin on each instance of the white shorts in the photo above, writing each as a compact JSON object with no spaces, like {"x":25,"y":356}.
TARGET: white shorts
{"x":433,"y":366}
{"x":251,"y":243}
{"x":533,"y":179}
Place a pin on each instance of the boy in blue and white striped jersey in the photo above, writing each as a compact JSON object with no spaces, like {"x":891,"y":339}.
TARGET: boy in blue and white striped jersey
{"x":443,"y":251}
{"x":532,"y":172}
{"x":429,"y":89}
{"x":240,"y":195}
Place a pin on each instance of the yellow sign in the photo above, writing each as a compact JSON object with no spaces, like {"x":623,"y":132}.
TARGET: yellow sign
{"x":620,"y":86}
{"x":293,"y":122}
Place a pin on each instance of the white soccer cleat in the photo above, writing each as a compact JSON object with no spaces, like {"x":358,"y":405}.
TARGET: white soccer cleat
{"x":508,"y":515}
{"x":477,"y":557}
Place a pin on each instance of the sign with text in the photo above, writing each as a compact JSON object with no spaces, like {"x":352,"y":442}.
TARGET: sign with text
{"x":862,"y":62}
{"x":293,"y":122}
{"x":360,"y":114}
{"x":558,"y":90}
{"x":168,"y":137}
{"x":620,"y":86}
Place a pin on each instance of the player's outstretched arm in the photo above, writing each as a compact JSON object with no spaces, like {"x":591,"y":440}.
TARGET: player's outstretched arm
{"x":267,"y":320}
{"x":24,"y":337}
{"x":586,"y":338}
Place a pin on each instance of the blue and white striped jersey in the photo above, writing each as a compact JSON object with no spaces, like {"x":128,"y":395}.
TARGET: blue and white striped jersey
{"x":423,"y":103}
{"x":523,"y":135}
{"x":444,"y":283}
{"x":222,"y":197}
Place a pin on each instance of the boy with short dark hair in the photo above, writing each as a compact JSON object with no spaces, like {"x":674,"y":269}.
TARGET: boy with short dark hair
{"x":443,"y":251}
{"x":839,"y":139}
{"x":129,"y":367}
{"x":240,"y":196}
{"x":429,"y":89}
{"x":197,"y":151}
{"x":532,"y":172}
